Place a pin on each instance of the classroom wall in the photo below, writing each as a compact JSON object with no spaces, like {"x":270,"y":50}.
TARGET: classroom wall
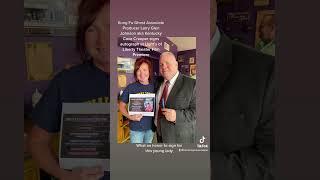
{"x":63,"y":52}
{"x":183,"y":60}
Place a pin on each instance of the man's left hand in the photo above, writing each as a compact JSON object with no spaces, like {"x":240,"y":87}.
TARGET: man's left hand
{"x":170,"y":114}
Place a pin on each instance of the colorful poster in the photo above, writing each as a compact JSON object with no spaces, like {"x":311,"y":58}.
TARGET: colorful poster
{"x":141,"y":104}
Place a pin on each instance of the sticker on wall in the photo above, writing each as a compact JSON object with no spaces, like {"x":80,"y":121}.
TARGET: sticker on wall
{"x":122,"y":80}
{"x":166,"y":46}
{"x":193,"y":71}
{"x":191,"y":60}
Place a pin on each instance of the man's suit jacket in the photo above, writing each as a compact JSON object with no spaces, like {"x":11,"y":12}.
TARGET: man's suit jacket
{"x":242,"y":113}
{"x":182,"y":98}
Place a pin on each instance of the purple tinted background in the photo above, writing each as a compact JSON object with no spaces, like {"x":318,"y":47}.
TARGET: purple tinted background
{"x":182,"y":19}
{"x":241,"y":6}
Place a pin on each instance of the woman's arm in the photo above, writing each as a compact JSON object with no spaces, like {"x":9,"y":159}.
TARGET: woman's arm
{"x":123,"y":110}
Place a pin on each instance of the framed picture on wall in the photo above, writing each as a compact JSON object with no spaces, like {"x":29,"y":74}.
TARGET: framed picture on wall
{"x":191,"y":60}
{"x":265,"y":32}
{"x":193,"y":71}
{"x":125,"y":65}
{"x":237,"y":26}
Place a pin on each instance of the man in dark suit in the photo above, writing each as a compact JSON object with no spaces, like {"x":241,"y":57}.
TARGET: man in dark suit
{"x":242,"y":110}
{"x":176,"y":103}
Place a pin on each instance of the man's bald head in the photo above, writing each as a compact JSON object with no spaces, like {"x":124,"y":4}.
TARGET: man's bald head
{"x":168,"y":65}
{"x":213,"y":17}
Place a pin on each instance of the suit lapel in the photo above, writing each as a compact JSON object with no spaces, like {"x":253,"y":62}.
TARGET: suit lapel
{"x":220,"y":62}
{"x":177,"y":85}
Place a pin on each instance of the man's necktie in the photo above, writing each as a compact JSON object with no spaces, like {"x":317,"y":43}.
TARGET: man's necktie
{"x":162,"y":102}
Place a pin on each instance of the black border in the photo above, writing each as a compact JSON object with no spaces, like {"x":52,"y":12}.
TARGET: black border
{"x":12,"y":112}
{"x":298,"y":97}
{"x":298,"y":103}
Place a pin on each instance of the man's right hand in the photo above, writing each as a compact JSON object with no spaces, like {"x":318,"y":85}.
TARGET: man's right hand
{"x":89,"y":173}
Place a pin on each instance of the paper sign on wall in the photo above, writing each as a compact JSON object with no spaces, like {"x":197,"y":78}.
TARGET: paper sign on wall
{"x":39,"y":60}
